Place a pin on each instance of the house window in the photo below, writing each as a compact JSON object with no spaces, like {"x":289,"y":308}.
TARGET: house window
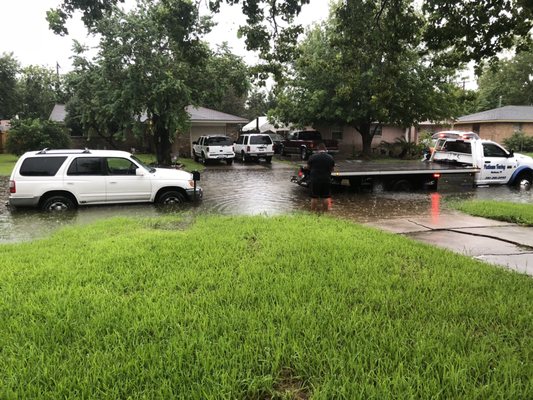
{"x":517,"y":127}
{"x":475,"y":128}
{"x":336,"y":134}
{"x":377,"y":130}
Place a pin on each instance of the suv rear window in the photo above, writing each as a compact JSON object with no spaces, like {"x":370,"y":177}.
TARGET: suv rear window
{"x":310,"y":136}
{"x":220,"y":141}
{"x":263,"y":139}
{"x":41,"y":166}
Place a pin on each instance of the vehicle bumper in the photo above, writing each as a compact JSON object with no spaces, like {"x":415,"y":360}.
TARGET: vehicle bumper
{"x":23,"y":201}
{"x":259,"y":155}
{"x":199,"y":193}
{"x":220,"y":156}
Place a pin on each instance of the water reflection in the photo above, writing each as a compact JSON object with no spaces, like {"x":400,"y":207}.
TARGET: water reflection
{"x":255,"y":189}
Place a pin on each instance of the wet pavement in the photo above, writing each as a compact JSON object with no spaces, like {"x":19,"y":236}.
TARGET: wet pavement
{"x":494,"y":242}
{"x":260,"y":188}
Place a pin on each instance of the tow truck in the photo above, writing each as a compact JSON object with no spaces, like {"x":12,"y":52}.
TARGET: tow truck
{"x":459,"y":159}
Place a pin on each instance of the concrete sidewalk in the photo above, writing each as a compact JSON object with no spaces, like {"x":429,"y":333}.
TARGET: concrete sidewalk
{"x":505,"y":244}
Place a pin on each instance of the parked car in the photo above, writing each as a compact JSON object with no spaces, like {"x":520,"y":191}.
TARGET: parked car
{"x":277,"y":142}
{"x":213,"y":147}
{"x":305,"y":142}
{"x":254,"y":146}
{"x":57,"y":180}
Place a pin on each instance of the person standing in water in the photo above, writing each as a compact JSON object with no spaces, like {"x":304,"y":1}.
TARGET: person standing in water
{"x":320,"y":166}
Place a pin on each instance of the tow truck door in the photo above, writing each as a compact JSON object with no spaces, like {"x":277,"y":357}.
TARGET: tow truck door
{"x":497,"y":166}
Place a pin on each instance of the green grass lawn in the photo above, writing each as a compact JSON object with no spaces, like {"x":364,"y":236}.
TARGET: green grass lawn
{"x":7,"y":162}
{"x":290,"y":307}
{"x":529,"y":154}
{"x":498,"y":210}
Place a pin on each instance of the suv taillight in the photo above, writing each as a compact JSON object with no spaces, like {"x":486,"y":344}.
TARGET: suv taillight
{"x":12,"y":187}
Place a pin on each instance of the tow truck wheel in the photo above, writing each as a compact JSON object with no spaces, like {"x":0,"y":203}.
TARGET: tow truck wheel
{"x":524,"y":180}
{"x":403,"y":185}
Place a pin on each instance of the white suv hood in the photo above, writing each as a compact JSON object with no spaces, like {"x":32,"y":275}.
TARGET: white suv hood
{"x":170,"y":173}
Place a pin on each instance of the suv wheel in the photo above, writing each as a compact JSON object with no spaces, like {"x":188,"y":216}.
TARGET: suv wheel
{"x":57,"y":203}
{"x":204,"y":159}
{"x":243,"y":157}
{"x":268,"y":159}
{"x":171,"y":197}
{"x":229,"y":161}
{"x":194,"y":156}
{"x":303,"y":154}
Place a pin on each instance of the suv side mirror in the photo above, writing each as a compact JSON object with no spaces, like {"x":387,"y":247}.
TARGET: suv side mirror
{"x":139,"y":171}
{"x":195,"y":142}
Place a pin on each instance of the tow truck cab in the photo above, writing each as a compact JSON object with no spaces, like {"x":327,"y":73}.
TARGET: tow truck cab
{"x":497,"y":166}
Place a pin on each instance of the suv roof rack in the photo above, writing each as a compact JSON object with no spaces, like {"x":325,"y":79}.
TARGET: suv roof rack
{"x":84,"y":151}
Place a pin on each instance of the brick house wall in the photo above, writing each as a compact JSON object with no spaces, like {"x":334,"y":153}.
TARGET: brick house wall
{"x":351,"y":142}
{"x":182,"y":146}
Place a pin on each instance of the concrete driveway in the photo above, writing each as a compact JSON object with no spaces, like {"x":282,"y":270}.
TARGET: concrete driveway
{"x":500,"y":243}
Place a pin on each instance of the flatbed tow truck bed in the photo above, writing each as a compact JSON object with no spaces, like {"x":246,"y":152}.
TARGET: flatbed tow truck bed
{"x":401,"y":175}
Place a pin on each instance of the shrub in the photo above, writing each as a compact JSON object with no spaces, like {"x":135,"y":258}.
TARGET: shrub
{"x":519,"y":142}
{"x":35,"y":134}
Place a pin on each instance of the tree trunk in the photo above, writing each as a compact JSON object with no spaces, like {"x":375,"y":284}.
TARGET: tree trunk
{"x":366,"y":135}
{"x":163,"y":145}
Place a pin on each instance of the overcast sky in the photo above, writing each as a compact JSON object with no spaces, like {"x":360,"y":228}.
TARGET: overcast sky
{"x":25,"y":31}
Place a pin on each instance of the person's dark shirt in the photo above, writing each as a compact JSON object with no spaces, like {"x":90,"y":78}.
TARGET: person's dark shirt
{"x":320,"y":164}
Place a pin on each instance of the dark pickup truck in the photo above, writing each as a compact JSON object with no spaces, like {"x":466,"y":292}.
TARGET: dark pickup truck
{"x":305,"y":143}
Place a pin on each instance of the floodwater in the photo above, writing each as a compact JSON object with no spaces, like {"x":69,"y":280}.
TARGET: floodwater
{"x":251,"y":189}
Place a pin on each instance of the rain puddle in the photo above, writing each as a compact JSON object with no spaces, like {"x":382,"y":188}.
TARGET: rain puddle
{"x":252,"y":189}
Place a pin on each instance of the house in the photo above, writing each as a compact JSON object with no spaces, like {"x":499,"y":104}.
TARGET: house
{"x":203,"y":121}
{"x":499,"y":123}
{"x":4,"y":127}
{"x":351,"y":142}
{"x":262,"y":125}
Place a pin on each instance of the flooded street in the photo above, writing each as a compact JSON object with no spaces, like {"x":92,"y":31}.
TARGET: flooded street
{"x":251,"y":189}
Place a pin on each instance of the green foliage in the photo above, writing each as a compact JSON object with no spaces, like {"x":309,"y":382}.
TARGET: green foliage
{"x":35,"y":134}
{"x":498,"y":210}
{"x":364,"y":66}
{"x":507,"y":82}
{"x":401,"y":148}
{"x":257,"y":308}
{"x":40,"y":89}
{"x":226,"y":81}
{"x":9,"y":97}
{"x":519,"y":142}
{"x":462,"y":31}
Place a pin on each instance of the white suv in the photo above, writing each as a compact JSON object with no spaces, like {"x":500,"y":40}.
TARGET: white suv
{"x":55,"y":180}
{"x":254,"y":145}
{"x":215,"y":147}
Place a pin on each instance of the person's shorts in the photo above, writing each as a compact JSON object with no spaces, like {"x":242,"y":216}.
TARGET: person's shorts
{"x":321,"y":189}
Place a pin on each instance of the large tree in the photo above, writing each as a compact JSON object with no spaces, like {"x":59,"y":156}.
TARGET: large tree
{"x":507,"y":82}
{"x":147,"y":70}
{"x":363,"y":68}
{"x":477,"y":30}
{"x":9,"y":96}
{"x":39,"y":89}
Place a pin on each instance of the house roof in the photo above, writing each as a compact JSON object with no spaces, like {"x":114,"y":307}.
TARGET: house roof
{"x":197,"y":114}
{"x":502,"y":114}
{"x":264,"y":125}
{"x":202,"y":114}
{"x":59,"y":113}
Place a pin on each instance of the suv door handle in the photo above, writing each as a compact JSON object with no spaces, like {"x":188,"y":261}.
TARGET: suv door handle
{"x":487,"y":162}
